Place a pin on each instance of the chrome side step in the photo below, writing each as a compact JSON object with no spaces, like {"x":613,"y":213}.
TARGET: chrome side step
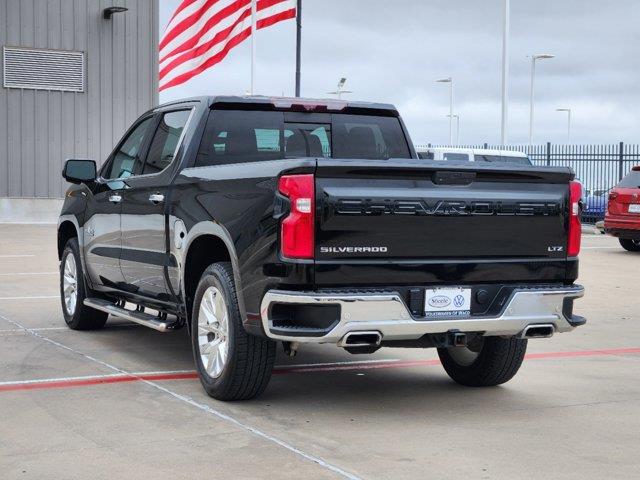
{"x":141,"y":318}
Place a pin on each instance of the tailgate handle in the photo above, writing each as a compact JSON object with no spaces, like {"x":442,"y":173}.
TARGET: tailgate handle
{"x":453,"y":178}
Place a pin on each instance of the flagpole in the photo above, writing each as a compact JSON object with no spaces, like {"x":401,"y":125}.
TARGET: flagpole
{"x":253,"y":43}
{"x":298,"y":45}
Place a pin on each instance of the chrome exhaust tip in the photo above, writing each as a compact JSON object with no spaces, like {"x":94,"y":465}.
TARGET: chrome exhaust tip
{"x":545,"y":330}
{"x":361,"y":339}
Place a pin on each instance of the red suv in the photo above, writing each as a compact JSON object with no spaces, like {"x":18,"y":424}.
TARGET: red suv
{"x":622,"y":219}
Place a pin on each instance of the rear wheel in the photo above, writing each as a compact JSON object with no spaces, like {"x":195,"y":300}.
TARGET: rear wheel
{"x":487,"y":361}
{"x":630,"y":245}
{"x":72,"y":292}
{"x":231,"y":364}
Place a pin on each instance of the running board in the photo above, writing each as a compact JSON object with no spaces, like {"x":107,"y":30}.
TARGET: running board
{"x":141,"y":318}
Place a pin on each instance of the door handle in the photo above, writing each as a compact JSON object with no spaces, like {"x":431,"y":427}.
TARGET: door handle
{"x":156,"y":198}
{"x":115,"y":198}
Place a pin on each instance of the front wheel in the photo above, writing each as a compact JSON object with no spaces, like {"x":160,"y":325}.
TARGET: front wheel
{"x":231,"y":364}
{"x":486,"y":361}
{"x":630,"y":245}
{"x":73,"y":292}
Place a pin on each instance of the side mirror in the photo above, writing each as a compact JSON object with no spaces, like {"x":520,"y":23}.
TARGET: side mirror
{"x":79,"y":171}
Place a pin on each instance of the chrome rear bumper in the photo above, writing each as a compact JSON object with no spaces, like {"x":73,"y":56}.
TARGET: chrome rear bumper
{"x":388,"y":314}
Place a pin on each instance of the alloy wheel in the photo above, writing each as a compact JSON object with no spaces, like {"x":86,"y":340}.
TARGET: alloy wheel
{"x":70,"y":283}
{"x":213,"y":332}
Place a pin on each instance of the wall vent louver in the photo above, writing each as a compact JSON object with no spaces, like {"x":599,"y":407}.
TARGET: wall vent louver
{"x":43,"y":69}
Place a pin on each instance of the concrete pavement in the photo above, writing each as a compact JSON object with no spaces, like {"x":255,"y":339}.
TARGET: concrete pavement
{"x":123,"y":401}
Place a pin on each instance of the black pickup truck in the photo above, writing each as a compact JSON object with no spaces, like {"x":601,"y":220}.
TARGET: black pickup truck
{"x":253,"y":220}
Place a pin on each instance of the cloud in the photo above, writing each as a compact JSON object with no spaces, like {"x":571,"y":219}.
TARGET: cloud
{"x":394,"y":51}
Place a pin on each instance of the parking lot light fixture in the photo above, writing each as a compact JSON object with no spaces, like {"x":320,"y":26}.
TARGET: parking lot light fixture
{"x":449,"y":80}
{"x":534,"y":57}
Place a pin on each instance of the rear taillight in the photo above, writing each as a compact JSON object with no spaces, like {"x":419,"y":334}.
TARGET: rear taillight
{"x":575,"y":228}
{"x":297,"y":228}
{"x":613,"y":195}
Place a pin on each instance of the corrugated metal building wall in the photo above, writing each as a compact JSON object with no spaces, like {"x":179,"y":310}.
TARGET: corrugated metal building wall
{"x":39,"y":129}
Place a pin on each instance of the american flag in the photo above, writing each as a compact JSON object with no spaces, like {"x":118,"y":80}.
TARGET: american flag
{"x":202,"y":32}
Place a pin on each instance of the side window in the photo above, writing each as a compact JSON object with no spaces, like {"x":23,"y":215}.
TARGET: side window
{"x":238,"y":136}
{"x":165,"y":141}
{"x":126,"y":161}
{"x":455,"y":157}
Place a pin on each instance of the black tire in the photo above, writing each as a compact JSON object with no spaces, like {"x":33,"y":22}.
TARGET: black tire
{"x":250,"y":359}
{"x":82,"y":317}
{"x":498,"y":360}
{"x":630,"y":245}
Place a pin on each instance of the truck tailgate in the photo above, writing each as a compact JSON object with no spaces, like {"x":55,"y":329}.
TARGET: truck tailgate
{"x":430,"y":213}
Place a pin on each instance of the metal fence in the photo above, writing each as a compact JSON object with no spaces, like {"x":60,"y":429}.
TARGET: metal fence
{"x":598,"y":167}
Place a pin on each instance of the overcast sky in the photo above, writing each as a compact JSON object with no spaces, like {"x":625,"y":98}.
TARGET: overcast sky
{"x":393,"y":51}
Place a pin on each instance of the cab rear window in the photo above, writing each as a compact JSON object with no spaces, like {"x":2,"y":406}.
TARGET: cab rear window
{"x":238,"y":136}
{"x":368,"y":137}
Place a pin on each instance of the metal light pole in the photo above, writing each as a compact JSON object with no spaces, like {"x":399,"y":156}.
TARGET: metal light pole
{"x":457,"y":117}
{"x":298,"y":45}
{"x":505,"y":73}
{"x":449,"y":80}
{"x":568,"y":110}
{"x":537,"y":56}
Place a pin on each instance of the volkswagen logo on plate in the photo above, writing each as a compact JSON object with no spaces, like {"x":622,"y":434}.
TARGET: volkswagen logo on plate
{"x":458,"y":301}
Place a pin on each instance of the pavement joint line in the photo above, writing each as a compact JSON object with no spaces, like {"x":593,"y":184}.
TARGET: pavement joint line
{"x":37,"y":297}
{"x":201,"y":406}
{"x":17,"y":331}
{"x":27,"y":273}
{"x":17,"y":256}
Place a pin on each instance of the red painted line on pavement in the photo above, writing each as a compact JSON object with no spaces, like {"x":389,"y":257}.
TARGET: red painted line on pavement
{"x":46,"y":385}
{"x":583,"y":353}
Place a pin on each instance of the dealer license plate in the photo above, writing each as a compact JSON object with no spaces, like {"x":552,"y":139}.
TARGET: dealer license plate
{"x":634,"y":208}
{"x":447,"y":302}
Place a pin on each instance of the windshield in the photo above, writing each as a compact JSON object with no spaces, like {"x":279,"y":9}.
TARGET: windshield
{"x":632,"y":180}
